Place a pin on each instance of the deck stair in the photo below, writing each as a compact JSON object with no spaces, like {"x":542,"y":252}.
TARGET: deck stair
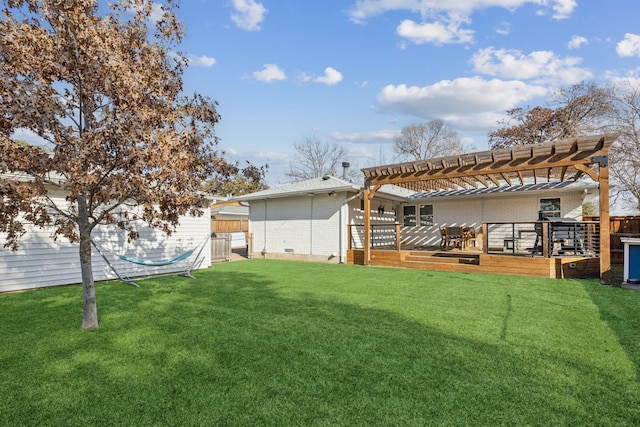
{"x":439,"y":257}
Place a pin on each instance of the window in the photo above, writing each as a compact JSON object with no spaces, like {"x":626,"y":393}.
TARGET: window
{"x":550,"y":208}
{"x":426,"y":214}
{"x":409,"y":216}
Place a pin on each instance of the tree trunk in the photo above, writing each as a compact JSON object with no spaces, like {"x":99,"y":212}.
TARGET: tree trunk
{"x":89,"y":301}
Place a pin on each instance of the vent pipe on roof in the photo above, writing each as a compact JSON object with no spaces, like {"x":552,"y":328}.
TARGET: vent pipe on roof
{"x":345,"y":170}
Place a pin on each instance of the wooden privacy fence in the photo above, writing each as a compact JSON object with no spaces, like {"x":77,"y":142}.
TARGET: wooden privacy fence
{"x":620,"y":226}
{"x":229,"y":225}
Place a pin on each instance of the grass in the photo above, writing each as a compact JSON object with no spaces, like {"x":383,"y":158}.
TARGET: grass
{"x":265,"y":342}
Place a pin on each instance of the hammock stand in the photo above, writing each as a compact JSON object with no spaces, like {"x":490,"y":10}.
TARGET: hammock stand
{"x":182,"y":258}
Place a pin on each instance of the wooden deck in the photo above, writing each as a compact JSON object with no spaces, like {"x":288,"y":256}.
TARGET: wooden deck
{"x":475,"y":262}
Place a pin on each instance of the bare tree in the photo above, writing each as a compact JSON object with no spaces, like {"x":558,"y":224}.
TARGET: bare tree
{"x":314,"y":159}
{"x":625,"y":153}
{"x":585,"y":109}
{"x":103,"y":88}
{"x":581,"y":109}
{"x":427,"y":140}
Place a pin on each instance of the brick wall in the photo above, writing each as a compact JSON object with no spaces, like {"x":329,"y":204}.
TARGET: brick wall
{"x":306,"y":227}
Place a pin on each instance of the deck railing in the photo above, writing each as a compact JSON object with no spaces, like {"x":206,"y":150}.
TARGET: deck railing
{"x":548,"y":238}
{"x":382,"y":236}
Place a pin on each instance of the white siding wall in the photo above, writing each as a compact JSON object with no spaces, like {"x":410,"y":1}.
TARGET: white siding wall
{"x":41,"y":262}
{"x":301,"y":227}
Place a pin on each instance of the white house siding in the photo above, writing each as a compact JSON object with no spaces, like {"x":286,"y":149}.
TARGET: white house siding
{"x":42,"y":262}
{"x":300,"y":227}
{"x":472,"y":212}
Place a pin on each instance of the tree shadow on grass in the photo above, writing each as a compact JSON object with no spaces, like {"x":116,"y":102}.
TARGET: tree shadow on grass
{"x":241,"y":351}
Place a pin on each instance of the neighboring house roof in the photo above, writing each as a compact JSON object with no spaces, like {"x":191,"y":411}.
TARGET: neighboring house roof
{"x":546,"y":186}
{"x":51,"y":177}
{"x":326,"y":184}
{"x":230,"y":210}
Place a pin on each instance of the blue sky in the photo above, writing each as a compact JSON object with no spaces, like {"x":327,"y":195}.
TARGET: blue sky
{"x":355,"y":72}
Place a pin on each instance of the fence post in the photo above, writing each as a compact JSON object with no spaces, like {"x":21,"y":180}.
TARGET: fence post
{"x":249,"y":245}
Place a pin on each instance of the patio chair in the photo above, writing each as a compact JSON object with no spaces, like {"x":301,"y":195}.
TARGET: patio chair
{"x":443,"y":237}
{"x":470,"y":237}
{"x":455,"y":237}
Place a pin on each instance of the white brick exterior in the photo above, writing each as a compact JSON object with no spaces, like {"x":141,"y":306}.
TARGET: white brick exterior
{"x":473,"y":211}
{"x":300,"y":227}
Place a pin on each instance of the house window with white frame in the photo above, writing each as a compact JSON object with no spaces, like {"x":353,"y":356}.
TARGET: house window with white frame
{"x":423,"y":218}
{"x":409,"y":216}
{"x":551,"y":207}
{"x":426,"y":215}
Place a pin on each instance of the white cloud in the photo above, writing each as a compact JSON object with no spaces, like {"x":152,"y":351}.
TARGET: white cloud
{"x":365,"y":9}
{"x":631,"y":79}
{"x":441,"y":21}
{"x":464,"y":102}
{"x":156,"y":13}
{"x":438,"y":33}
{"x":331,"y":77}
{"x":304,"y":77}
{"x":577,"y":42}
{"x":562,"y":8}
{"x":630,"y":46}
{"x":504,"y":29}
{"x":248,"y":14}
{"x":201,"y":61}
{"x":379,"y":136}
{"x":269,"y":73}
{"x":539,"y":66}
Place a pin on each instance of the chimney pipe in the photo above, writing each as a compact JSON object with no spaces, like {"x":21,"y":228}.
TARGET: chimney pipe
{"x":345,"y":169}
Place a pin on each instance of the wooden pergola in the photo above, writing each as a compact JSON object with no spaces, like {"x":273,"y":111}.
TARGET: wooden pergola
{"x":567,"y":159}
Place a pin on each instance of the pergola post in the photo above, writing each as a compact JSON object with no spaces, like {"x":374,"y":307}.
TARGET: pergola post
{"x":605,"y":238}
{"x":369,"y":192}
{"x":367,"y":225}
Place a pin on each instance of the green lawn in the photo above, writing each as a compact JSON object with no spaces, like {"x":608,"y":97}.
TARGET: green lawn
{"x":291,"y":343}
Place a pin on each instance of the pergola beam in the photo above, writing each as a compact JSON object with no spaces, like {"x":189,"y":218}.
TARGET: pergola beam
{"x":555,"y":159}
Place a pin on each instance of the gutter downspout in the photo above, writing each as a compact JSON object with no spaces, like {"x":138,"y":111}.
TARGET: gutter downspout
{"x":264,"y":242}
{"x":311,"y":227}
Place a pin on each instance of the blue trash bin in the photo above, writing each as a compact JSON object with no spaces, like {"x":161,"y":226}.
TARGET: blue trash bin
{"x":631,"y":260}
